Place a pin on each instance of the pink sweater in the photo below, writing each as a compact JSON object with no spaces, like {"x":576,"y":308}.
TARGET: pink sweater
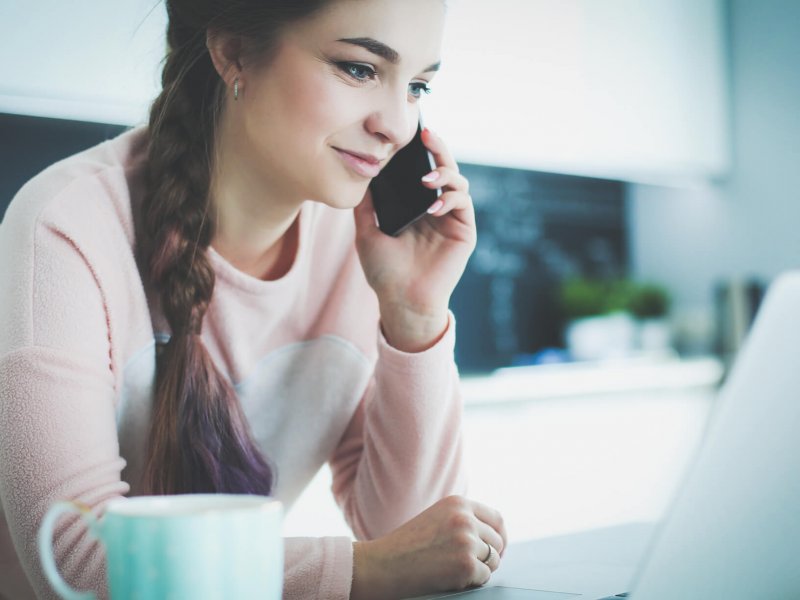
{"x":316,"y":378}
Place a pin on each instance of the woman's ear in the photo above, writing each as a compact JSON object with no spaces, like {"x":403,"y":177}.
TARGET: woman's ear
{"x":225,"y":51}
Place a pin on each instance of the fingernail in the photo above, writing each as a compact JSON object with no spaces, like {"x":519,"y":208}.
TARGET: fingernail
{"x":432,"y":176}
{"x":435,"y":206}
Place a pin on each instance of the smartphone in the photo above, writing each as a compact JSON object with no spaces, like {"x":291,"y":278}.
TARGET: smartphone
{"x":398,"y":195}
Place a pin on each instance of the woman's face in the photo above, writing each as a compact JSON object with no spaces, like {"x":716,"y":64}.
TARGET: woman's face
{"x":321,"y":95}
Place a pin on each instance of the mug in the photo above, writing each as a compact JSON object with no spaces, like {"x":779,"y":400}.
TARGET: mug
{"x":188,"y":546}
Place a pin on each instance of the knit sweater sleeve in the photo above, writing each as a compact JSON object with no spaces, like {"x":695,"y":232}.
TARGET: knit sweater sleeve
{"x":58,"y":437}
{"x":402,"y":451}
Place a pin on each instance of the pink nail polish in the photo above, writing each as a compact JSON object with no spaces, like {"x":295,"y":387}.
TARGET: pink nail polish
{"x":432,"y":176}
{"x":435,"y":206}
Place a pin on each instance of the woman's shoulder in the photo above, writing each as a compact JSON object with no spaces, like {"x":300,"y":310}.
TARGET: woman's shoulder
{"x":83,"y":193}
{"x":68,"y":237}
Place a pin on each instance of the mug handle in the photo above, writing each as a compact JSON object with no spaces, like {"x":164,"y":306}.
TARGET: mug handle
{"x":46,"y":547}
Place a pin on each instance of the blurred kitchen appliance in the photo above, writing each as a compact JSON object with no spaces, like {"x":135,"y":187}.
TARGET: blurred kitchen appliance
{"x":736,"y":302}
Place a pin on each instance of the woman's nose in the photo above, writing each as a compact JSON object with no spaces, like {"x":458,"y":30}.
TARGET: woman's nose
{"x":394,"y":119}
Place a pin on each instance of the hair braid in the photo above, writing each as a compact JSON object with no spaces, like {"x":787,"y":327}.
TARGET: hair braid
{"x":199,"y":438}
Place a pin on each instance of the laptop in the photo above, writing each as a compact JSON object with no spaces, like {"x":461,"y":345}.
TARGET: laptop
{"x":732,"y":531}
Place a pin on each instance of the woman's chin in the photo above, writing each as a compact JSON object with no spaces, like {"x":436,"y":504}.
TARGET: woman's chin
{"x":344,"y":198}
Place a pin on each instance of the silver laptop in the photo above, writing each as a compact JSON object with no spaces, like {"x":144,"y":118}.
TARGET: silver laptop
{"x":733,"y":529}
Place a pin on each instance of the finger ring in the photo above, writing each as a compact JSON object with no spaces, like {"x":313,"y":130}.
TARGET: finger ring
{"x":488,"y":556}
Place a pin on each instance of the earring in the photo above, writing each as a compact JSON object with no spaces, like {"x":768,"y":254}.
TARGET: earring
{"x":236,"y":89}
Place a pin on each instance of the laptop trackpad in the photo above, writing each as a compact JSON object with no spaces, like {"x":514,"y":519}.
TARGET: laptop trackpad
{"x":506,"y":593}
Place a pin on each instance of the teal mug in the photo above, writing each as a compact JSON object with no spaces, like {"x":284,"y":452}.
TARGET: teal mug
{"x":190,"y":546}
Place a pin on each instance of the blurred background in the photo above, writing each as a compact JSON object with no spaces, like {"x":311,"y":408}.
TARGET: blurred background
{"x":635,"y":168}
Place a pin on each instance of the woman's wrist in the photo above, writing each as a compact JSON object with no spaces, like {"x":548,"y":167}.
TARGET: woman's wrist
{"x":409,"y":331}
{"x":369,"y":581}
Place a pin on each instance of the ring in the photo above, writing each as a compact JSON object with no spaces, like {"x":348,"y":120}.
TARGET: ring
{"x":488,"y":556}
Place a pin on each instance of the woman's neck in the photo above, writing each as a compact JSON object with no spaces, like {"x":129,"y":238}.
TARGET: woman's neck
{"x":257,"y":259}
{"x":255,"y":226}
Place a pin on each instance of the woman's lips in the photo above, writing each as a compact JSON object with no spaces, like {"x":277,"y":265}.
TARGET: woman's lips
{"x":359,"y":165}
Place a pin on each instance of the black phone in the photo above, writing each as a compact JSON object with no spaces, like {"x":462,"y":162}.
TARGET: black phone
{"x":398,"y":195}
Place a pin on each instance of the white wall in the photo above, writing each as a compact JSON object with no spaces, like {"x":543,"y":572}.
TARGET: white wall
{"x":749,"y":224}
{"x":621,"y":89}
{"x":91,"y":60}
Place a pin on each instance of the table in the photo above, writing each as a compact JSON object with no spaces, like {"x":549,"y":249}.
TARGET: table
{"x":599,"y":561}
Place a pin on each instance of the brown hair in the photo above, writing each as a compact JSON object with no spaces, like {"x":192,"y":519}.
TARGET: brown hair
{"x":199,"y":437}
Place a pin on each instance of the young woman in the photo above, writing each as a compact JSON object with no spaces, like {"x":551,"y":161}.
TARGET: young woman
{"x":205,"y":304}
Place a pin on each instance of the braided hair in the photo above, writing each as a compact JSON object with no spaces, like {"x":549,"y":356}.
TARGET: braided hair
{"x":199,"y":437}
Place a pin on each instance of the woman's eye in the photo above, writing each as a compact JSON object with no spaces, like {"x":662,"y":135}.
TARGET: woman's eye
{"x":364,"y":73}
{"x":357,"y":71}
{"x":418,"y":87}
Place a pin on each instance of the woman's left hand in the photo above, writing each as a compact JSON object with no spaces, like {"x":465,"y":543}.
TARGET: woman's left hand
{"x":415,"y":273}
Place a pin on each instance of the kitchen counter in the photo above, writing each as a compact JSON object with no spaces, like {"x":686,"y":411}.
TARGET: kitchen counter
{"x":565,"y":448}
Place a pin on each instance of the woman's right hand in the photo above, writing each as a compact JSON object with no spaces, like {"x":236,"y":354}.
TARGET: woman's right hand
{"x":441,"y":549}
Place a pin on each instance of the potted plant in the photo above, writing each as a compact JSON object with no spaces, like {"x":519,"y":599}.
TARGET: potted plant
{"x":598,"y":325}
{"x":649,"y":304}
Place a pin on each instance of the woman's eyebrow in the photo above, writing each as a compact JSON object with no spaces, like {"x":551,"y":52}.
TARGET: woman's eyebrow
{"x":382,"y":50}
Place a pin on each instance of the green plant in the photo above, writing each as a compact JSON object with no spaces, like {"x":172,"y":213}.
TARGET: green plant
{"x":579,"y":297}
{"x":648,"y":301}
{"x":619,"y":295}
{"x":582,"y":297}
